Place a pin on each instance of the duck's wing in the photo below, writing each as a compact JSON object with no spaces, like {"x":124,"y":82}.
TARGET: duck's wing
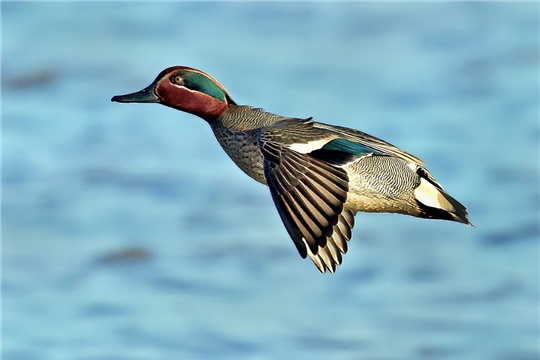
{"x":304,"y":169}
{"x":309,"y":194}
{"x":378,"y":146}
{"x":329,"y":256}
{"x":338,"y":142}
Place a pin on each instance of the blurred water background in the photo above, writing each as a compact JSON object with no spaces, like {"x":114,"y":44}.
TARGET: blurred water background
{"x":127,"y":233}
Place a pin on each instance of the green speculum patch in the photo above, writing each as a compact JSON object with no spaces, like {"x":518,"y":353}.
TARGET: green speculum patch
{"x":199,"y":82}
{"x":341,"y":151}
{"x":348,"y":147}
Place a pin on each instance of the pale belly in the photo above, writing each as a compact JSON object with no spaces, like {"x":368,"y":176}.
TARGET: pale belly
{"x":381,"y":184}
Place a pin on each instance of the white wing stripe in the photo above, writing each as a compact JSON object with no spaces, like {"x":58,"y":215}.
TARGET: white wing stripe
{"x":308,"y":147}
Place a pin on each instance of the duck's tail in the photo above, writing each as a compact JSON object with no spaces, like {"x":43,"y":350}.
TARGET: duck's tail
{"x":435,"y":203}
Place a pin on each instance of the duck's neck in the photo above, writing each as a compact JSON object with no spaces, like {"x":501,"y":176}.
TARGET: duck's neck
{"x":243,"y":118}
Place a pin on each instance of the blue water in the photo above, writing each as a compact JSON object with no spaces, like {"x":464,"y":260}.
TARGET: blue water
{"x":127,"y":233}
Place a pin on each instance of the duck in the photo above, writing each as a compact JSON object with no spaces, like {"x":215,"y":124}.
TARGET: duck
{"x":319,"y":175}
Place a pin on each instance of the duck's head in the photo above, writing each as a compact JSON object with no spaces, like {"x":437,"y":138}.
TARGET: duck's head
{"x":185,"y":89}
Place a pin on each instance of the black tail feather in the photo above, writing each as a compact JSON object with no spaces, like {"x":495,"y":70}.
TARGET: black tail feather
{"x":458,"y":213}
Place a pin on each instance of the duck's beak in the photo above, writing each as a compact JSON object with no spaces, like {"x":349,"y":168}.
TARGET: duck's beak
{"x":146,"y":95}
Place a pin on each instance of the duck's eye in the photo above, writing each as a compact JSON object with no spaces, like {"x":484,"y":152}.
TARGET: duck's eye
{"x":177,"y":80}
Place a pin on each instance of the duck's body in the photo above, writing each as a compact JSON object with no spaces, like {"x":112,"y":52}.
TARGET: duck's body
{"x":319,"y":175}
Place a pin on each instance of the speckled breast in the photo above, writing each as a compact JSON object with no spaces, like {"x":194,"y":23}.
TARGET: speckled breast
{"x":242,"y":148}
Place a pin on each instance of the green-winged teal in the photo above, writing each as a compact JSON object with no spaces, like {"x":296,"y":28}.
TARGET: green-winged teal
{"x":319,"y":175}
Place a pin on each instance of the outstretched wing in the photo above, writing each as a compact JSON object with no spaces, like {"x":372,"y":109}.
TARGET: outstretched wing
{"x":367,"y":142}
{"x":306,"y":135}
{"x":309,"y":189}
{"x":309,"y":194}
{"x":304,"y":169}
{"x":329,"y":257}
